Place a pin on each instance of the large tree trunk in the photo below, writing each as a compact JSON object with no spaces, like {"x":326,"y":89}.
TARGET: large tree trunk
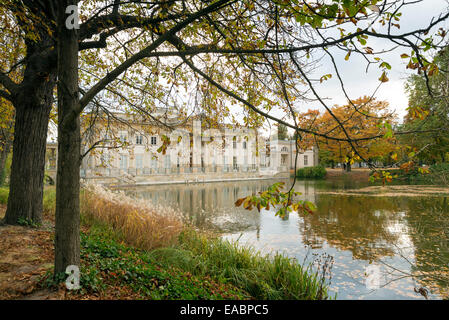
{"x":28,"y":160}
{"x":67,"y":237}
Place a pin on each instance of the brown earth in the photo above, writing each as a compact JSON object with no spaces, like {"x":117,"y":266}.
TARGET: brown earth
{"x":26,"y":254}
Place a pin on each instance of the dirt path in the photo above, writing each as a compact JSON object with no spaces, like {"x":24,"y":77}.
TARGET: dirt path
{"x":25,"y":256}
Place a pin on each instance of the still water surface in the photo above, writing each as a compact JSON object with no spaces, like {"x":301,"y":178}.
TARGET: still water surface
{"x":382,"y":247}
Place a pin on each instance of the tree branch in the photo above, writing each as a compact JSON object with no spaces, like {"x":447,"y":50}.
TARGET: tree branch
{"x":111,"y":76}
{"x":10,"y":85}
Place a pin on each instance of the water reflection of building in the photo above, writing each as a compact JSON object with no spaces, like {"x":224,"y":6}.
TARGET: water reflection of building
{"x":208,"y":205}
{"x":213,"y":205}
{"x":195,"y":152}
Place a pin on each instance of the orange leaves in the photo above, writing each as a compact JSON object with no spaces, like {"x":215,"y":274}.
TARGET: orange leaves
{"x":362,"y":118}
{"x":407,"y":166}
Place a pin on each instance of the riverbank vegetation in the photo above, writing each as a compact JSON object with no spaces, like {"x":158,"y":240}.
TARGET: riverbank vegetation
{"x":316,"y":172}
{"x":131,"y":250}
{"x":437,"y":174}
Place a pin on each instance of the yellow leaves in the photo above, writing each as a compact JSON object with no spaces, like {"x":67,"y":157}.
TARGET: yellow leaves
{"x":383,"y":77}
{"x":348,"y":55}
{"x":384,"y":176}
{"x":423,"y":170}
{"x":418,"y":112}
{"x":394,"y":156}
{"x":325,"y":77}
{"x":165,"y":143}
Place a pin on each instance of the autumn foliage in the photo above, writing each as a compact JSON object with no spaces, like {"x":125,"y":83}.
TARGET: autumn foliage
{"x":365,"y":122}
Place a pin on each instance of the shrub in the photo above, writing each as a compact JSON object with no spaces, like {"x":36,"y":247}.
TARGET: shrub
{"x":438,"y":174}
{"x":317,"y":172}
{"x":4,"y":192}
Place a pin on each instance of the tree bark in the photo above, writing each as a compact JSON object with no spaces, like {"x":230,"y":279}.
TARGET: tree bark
{"x":348,"y":167}
{"x":32,"y":100}
{"x":67,"y":236}
{"x":28,"y":160}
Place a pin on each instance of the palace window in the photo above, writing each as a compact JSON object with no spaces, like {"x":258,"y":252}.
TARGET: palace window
{"x":234,"y":142}
{"x":306,"y":160}
{"x":139,"y":139}
{"x":167,"y":161}
{"x":283,"y":159}
{"x":244,"y":144}
{"x":139,"y":161}
{"x":153,"y":140}
{"x":123,"y":162}
{"x":153,"y":163}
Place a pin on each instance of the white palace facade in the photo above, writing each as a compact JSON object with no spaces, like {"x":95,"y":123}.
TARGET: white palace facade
{"x":195,"y":154}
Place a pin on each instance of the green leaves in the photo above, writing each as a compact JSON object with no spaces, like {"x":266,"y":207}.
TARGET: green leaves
{"x":388,"y":130}
{"x":165,"y":143}
{"x":325,"y":77}
{"x":275,"y":198}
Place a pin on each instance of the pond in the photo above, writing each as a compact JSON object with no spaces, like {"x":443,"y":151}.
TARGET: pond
{"x":382,"y":247}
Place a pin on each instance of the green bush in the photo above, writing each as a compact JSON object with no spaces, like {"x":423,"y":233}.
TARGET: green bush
{"x":4,"y":192}
{"x":317,"y":172}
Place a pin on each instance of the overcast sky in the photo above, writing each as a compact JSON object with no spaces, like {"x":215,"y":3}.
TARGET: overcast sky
{"x":359,"y":83}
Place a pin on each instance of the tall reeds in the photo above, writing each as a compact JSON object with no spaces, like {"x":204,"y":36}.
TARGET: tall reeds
{"x":137,"y":222}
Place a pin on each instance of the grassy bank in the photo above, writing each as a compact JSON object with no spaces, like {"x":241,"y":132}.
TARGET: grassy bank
{"x":131,"y":249}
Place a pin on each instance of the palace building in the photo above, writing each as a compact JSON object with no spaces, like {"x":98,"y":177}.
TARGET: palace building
{"x":195,"y":154}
